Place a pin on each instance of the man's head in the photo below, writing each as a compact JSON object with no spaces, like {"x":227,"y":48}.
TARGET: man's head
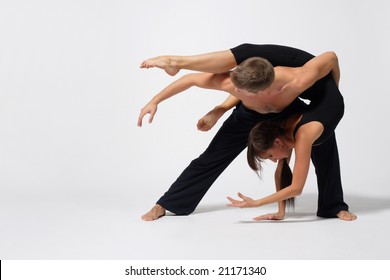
{"x":253,"y":74}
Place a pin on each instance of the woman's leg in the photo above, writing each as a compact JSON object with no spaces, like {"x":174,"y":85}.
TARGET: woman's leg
{"x":331,"y":203}
{"x":223,"y":61}
{"x":215,"y":62}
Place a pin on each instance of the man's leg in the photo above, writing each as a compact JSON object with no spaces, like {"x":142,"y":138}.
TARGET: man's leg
{"x":331,"y":203}
{"x":190,"y":187}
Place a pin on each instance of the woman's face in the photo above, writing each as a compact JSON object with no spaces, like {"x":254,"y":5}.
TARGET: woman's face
{"x":277,"y":152}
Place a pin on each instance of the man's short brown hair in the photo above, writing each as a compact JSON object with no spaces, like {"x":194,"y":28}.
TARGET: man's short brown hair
{"x":253,"y":74}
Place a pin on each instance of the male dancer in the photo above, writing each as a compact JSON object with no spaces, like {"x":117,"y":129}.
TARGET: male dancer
{"x":303,"y":76}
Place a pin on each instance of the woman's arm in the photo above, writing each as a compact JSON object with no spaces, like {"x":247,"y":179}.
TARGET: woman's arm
{"x":305,"y":137}
{"x":202,"y":80}
{"x":301,"y":168}
{"x":281,"y":204}
{"x":212,"y":117}
{"x":336,"y":71}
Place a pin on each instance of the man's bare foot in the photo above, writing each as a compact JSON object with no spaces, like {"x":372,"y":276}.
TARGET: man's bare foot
{"x":163,"y":62}
{"x":346,"y":216}
{"x":156,"y":212}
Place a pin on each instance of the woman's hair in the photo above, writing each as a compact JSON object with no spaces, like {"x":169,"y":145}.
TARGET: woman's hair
{"x":253,"y":74}
{"x":261,"y":138}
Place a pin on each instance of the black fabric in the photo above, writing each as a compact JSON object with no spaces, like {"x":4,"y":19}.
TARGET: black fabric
{"x":327,"y":108}
{"x":325,"y":158}
{"x":276,"y":54}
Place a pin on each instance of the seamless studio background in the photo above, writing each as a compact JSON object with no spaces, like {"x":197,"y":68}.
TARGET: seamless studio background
{"x":76,"y":173}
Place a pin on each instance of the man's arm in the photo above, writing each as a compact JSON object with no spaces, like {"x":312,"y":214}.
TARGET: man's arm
{"x":202,"y":80}
{"x":315,"y":69}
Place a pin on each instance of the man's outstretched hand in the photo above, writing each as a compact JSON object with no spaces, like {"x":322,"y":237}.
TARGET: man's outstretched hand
{"x":150,"y":108}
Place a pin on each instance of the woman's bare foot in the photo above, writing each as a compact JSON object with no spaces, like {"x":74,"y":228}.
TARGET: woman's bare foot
{"x":156,"y":212}
{"x":346,"y":216}
{"x":164,"y":62}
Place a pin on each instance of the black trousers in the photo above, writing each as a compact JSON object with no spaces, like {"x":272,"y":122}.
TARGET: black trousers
{"x":190,"y":187}
{"x":325,"y":158}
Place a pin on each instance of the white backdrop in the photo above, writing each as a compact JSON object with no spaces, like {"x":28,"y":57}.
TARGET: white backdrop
{"x":71,"y":91}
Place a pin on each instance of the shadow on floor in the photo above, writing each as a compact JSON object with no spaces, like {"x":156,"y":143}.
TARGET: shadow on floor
{"x":306,"y":205}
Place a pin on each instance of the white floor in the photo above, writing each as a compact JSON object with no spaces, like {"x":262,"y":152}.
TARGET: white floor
{"x":107,"y":225}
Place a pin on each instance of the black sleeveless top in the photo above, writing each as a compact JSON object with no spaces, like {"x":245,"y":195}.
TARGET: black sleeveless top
{"x":327,"y":108}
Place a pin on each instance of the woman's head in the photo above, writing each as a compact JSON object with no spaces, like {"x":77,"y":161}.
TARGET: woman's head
{"x":265,"y":142}
{"x":253,"y":74}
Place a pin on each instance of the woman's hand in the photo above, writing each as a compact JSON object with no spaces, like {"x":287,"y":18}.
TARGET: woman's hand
{"x":246,"y":202}
{"x":150,"y":108}
{"x":274,"y":216}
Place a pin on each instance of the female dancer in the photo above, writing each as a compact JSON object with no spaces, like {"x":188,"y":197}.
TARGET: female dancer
{"x":306,"y":132}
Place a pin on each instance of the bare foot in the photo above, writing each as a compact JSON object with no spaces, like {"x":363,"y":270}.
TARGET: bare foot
{"x":163,"y":62}
{"x":346,"y":216}
{"x":156,"y":212}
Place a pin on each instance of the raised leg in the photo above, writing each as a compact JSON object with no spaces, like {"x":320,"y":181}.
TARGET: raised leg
{"x":214,"y":62}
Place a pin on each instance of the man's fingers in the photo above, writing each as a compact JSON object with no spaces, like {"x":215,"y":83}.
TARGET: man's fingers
{"x":141,"y":116}
{"x":151,"y":118}
{"x":139,"y":123}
